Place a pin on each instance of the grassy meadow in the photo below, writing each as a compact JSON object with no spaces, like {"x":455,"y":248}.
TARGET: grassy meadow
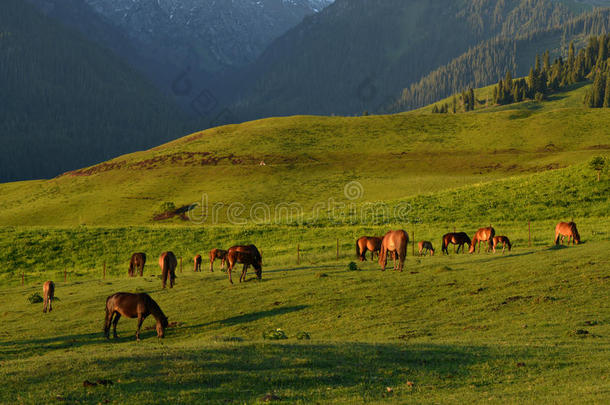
{"x":528,"y":326}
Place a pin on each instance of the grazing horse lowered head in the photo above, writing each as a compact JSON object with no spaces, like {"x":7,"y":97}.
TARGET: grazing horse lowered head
{"x":502,"y":240}
{"x":218,"y":254}
{"x":137,"y":262}
{"x":396,"y":243}
{"x":247,"y":255}
{"x":566,"y":229}
{"x":455,"y":238}
{"x":133,"y":306}
{"x":483,"y":235}
{"x":168,"y":264}
{"x":48,"y":292}
{"x":427,"y":246}
{"x":197,"y":263}
{"x":368,"y":243}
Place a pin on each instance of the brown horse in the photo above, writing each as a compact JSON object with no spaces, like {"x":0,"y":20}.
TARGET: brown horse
{"x":504,"y":241}
{"x":395,"y":242}
{"x":168,"y":264}
{"x":218,"y":254}
{"x":137,"y":262}
{"x":567,"y":229}
{"x":456,"y":238}
{"x":368,"y":243}
{"x":483,"y":235}
{"x":133,"y":306}
{"x":48,"y":292}
{"x":197,"y":263}
{"x":425,"y":245}
{"x":247,"y":255}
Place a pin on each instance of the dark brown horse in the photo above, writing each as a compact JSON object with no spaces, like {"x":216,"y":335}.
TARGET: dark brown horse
{"x":48,"y":292}
{"x":137,"y":262}
{"x":427,"y":246}
{"x":133,"y":306}
{"x":247,"y":255}
{"x":197,"y":263}
{"x":168,"y":264}
{"x":218,"y":254}
{"x":483,"y":235}
{"x":455,"y":238}
{"x":504,"y":241}
{"x":368,"y":243}
{"x":566,"y":229}
{"x":396,"y":243}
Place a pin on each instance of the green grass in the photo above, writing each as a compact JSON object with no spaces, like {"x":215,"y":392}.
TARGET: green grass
{"x":479,"y":328}
{"x":311,"y":159}
{"x":464,"y":328}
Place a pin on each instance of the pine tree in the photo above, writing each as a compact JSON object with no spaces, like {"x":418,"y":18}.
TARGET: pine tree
{"x":472,"y":99}
{"x":599,"y":86}
{"x":607,"y":92}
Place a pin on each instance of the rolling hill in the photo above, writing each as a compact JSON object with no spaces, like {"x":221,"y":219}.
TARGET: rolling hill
{"x":309,"y":160}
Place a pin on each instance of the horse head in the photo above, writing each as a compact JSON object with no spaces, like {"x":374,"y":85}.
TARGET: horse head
{"x":258,"y":269}
{"x":161,"y":325}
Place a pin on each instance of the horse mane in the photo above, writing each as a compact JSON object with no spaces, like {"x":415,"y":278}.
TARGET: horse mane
{"x":155,"y":309}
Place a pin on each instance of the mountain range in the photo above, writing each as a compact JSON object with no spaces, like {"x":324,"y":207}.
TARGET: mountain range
{"x":183,"y":65}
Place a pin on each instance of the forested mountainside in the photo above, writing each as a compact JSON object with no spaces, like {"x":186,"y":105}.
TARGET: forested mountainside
{"x":67,"y":102}
{"x":489,"y":61}
{"x":344,"y":61}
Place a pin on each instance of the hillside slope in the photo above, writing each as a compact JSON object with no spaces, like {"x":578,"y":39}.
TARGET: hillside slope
{"x":67,"y":102}
{"x":309,"y":160}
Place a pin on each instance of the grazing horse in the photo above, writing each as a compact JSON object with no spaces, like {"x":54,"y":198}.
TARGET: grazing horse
{"x":218,"y":254}
{"x":48,"y":292}
{"x":368,"y":243}
{"x":197,"y":263}
{"x":137,"y":262}
{"x":483,"y":235}
{"x":247,"y":255}
{"x":133,"y":306}
{"x":395,"y":242}
{"x":455,"y":238}
{"x":168,"y":264}
{"x":427,"y":246}
{"x":567,"y":229}
{"x":504,"y":241}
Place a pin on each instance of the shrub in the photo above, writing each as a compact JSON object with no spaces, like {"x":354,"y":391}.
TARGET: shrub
{"x":274,"y":334}
{"x":35,"y":298}
{"x":303,"y":336}
{"x":352,"y":266}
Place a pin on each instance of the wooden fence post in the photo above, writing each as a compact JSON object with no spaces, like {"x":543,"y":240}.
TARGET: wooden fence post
{"x":298,"y":254}
{"x":337,"y":248}
{"x":181,"y":265}
{"x":413,"y":243}
{"x":22,"y":277}
{"x":65,"y":275}
{"x":104,"y":269}
{"x":529,"y":233}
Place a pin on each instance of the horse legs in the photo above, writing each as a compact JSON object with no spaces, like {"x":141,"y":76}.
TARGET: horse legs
{"x":50,"y":299}
{"x":394,"y":259}
{"x":44,"y":306}
{"x":141,"y":270}
{"x":243,"y":273}
{"x":117,"y":316}
{"x":229,"y":269}
{"x":172,"y":277}
{"x":140,"y":320}
{"x":107,"y":323}
{"x":222,"y":264}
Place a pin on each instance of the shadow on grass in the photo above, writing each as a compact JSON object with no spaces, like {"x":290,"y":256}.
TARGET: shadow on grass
{"x":251,"y":317}
{"x":244,"y":373}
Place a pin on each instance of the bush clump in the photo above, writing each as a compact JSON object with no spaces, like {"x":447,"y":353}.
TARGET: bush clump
{"x":352,"y":266}
{"x":35,"y":298}
{"x":274,"y":334}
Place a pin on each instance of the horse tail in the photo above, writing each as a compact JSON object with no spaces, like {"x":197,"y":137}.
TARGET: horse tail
{"x":557,"y":236}
{"x":358,"y":248}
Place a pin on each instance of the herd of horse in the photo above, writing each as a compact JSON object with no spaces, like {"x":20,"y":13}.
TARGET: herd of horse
{"x":394,"y":243}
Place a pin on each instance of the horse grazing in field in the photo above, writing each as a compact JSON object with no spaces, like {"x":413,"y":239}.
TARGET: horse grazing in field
{"x":427,"y":246}
{"x":197,"y":263}
{"x":48,"y":292}
{"x":566,"y":229}
{"x":133,"y":306}
{"x":137,"y":262}
{"x":218,"y":254}
{"x":368,"y":243}
{"x":396,"y":243}
{"x":168,"y":264}
{"x":456,"y":238}
{"x":247,"y":255}
{"x":483,"y":235}
{"x":504,"y":241}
